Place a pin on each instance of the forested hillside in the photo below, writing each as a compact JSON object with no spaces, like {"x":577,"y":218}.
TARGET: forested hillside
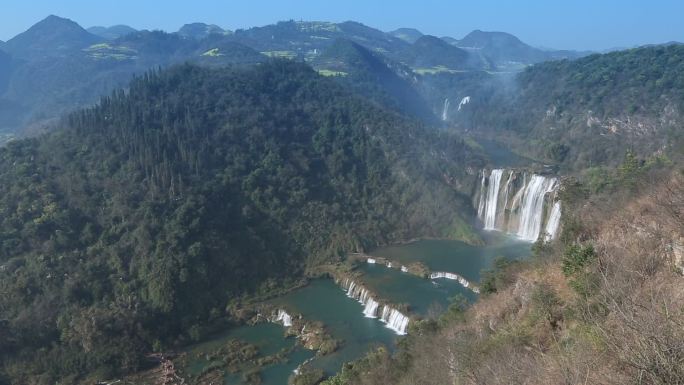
{"x":588,"y":111}
{"x":138,"y":222}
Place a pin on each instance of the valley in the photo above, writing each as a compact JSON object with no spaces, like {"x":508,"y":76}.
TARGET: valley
{"x":327,"y":203}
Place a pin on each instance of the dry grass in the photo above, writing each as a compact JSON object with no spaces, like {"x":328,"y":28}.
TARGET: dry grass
{"x":629,"y":329}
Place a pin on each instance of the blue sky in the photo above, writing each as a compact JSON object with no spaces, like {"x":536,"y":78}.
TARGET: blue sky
{"x":563,"y":24}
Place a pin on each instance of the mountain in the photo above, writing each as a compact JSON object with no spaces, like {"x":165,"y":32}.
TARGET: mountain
{"x":409,"y":35}
{"x":432,"y":52}
{"x":200,"y":31}
{"x":40,"y":88}
{"x":305,"y":40}
{"x":589,"y":111}
{"x":58,"y":66}
{"x":5,"y":68}
{"x":111,"y":33}
{"x":374,"y":76}
{"x":53,"y":36}
{"x":139,"y":221}
{"x":507,"y":50}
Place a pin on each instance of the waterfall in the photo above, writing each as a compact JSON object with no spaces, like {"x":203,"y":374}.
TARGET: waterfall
{"x":507,"y":190}
{"x":395,"y":320}
{"x":284,"y":318}
{"x":463,"y":102}
{"x":492,"y":199}
{"x":525,"y":214}
{"x":553,"y":222}
{"x":404,"y":269}
{"x":481,"y":206}
{"x":445,"y":110}
{"x":455,"y":277}
{"x":533,"y":207}
{"x":371,"y":308}
{"x":370,"y":260}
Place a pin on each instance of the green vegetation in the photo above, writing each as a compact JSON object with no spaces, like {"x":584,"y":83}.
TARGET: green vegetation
{"x":214,"y":52}
{"x":587,"y":112}
{"x":606,"y":309}
{"x":134,"y":226}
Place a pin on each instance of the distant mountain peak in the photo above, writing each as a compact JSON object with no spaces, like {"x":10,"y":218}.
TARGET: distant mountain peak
{"x":200,"y":30}
{"x":409,"y":35}
{"x":50,"y":36}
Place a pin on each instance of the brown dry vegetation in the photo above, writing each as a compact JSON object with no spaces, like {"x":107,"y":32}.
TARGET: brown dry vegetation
{"x":618,"y":319}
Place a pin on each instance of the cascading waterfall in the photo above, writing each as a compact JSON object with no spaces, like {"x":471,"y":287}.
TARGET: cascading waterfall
{"x":507,"y":190}
{"x":529,"y":214}
{"x":481,"y":206}
{"x":463,"y":102}
{"x":283,"y":318}
{"x":370,"y":260}
{"x":553,"y":222}
{"x":371,"y":308}
{"x":453,"y":276}
{"x":533,"y":207}
{"x":394,"y":319}
{"x":492,"y":199}
{"x":445,"y":110}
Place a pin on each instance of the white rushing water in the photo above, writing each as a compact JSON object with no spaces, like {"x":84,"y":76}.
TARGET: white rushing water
{"x":284,"y":318}
{"x":481,"y":206}
{"x":404,"y":269}
{"x":445,"y":110}
{"x":526,"y":214}
{"x":370,"y":260}
{"x":553,"y":222}
{"x":507,"y":189}
{"x":370,"y":310}
{"x":492,"y":200}
{"x":463,"y":102}
{"x":395,"y":320}
{"x":532,"y":213}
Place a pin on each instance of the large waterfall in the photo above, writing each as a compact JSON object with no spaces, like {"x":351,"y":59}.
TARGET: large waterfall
{"x":394,"y":319}
{"x":445,"y":110}
{"x":492,"y":200}
{"x":530,"y":213}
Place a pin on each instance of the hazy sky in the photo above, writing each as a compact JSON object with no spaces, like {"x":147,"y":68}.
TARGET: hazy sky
{"x":567,"y":24}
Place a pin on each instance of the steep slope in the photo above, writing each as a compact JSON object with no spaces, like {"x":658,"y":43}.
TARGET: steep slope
{"x":113,"y":32}
{"x":374,"y":76}
{"x":5,"y":68}
{"x":40,"y":88}
{"x":142,"y":219}
{"x":53,"y":36}
{"x":591,"y":110}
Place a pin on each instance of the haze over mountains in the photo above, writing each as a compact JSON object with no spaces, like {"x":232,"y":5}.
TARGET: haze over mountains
{"x":56,"y":65}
